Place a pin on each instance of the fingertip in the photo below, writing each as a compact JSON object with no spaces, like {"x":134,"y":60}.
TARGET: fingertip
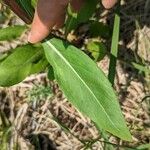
{"x":60,"y":22}
{"x":42,"y":23}
{"x":109,"y":3}
{"x":39,"y":29}
{"x":38,"y":35}
{"x":29,"y":38}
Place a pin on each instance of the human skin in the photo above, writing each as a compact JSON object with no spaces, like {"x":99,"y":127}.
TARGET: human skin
{"x":51,"y":13}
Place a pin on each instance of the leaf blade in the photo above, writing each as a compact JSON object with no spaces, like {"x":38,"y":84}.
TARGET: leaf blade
{"x":81,"y":86}
{"x":10,"y":33}
{"x":21,"y":63}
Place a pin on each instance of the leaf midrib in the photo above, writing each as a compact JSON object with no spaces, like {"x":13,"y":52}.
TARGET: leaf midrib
{"x":64,"y":59}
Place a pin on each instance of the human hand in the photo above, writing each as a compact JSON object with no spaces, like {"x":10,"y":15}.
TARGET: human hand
{"x":51,"y":13}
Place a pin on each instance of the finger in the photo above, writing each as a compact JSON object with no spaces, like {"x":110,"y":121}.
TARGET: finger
{"x":60,"y":22}
{"x":39,"y":29}
{"x":77,"y":4}
{"x":109,"y":3}
{"x":42,"y":23}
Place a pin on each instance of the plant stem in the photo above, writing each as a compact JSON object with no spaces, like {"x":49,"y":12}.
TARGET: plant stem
{"x":114,"y":49}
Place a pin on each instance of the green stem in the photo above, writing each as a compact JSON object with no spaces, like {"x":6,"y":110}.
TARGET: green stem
{"x":114,"y":49}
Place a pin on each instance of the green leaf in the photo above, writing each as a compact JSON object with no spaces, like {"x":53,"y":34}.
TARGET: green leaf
{"x":74,"y":19}
{"x":11,"y":33}
{"x":22,"y":62}
{"x":97,"y":49}
{"x":114,"y":49}
{"x":86,"y":86}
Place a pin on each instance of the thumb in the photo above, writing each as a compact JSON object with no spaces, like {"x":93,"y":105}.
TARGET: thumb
{"x":77,"y":4}
{"x":42,"y":22}
{"x":109,"y":3}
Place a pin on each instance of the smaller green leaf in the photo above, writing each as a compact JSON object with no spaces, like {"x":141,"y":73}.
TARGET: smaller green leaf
{"x":97,"y":49}
{"x":24,"y":60}
{"x":11,"y":33}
